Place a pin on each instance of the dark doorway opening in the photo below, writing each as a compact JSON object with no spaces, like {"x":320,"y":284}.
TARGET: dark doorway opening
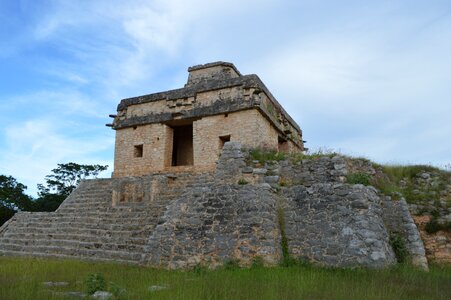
{"x":222,"y":140}
{"x":182,"y":146}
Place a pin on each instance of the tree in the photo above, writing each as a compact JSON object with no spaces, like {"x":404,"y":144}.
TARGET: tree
{"x":12,"y":198}
{"x":12,"y":194}
{"x":62,"y":182}
{"x":67,"y":176}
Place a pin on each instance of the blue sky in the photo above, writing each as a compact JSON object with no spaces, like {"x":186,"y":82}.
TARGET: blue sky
{"x":367,"y":78}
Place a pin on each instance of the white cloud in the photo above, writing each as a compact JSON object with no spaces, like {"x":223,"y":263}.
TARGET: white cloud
{"x":36,"y":146}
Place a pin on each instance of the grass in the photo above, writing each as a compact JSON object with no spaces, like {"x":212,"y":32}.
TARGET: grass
{"x":358,"y":178}
{"x":267,"y":155}
{"x":21,"y":278}
{"x":401,"y":180}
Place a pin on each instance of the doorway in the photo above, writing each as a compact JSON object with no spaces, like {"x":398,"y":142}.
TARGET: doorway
{"x":182,"y":145}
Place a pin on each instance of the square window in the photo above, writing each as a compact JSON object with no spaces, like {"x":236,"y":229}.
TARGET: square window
{"x":138,"y":151}
{"x":222,"y":140}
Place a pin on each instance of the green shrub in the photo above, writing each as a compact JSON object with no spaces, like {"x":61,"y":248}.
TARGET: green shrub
{"x":432,"y":226}
{"x":257,"y":262}
{"x":95,"y":282}
{"x":242,"y":181}
{"x":199,"y":269}
{"x":264,"y":155}
{"x":398,"y":245}
{"x":286,"y":259}
{"x":115,"y":289}
{"x":358,"y":178}
{"x":231,"y":264}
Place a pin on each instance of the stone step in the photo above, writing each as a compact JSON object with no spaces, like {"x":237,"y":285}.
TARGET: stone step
{"x":107,"y":220}
{"x":91,"y":238}
{"x":65,"y":225}
{"x":62,"y":256}
{"x":142,"y":233}
{"x":73,"y":244}
{"x":104,"y":215}
{"x":92,"y":253}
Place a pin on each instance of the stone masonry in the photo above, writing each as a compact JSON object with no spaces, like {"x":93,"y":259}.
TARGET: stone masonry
{"x":186,"y":191}
{"x":238,"y":212}
{"x":185,"y":129}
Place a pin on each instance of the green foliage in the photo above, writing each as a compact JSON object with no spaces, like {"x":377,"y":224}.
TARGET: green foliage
{"x":6,"y":213}
{"x":358,"y":178}
{"x":242,"y":181}
{"x":257,"y":262}
{"x":266,"y":155}
{"x":231,"y":264}
{"x":434,"y":226}
{"x":403,"y":180}
{"x":62,"y":182}
{"x":66,"y":178}
{"x":12,"y":198}
{"x":284,"y":182}
{"x":398,"y":245}
{"x":48,"y":202}
{"x":21,"y":278}
{"x":95,"y":282}
{"x":199,"y":269}
{"x":12,"y":194}
{"x":59,"y":185}
{"x":115,"y":289}
{"x":286,"y":259}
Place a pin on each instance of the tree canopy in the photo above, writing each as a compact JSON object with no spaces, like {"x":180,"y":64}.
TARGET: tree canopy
{"x":66,"y":178}
{"x":12,"y":198}
{"x":58,"y":185}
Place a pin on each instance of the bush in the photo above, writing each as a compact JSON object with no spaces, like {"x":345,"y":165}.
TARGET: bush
{"x":434,"y":226}
{"x":116,"y":290}
{"x":264,"y":155}
{"x":231,"y":265}
{"x":399,"y":247}
{"x":242,"y":181}
{"x":358,"y":178}
{"x":257,"y":262}
{"x":95,"y":282}
{"x":199,"y":269}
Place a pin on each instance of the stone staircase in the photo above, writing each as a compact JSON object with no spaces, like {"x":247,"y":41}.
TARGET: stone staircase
{"x":87,"y":226}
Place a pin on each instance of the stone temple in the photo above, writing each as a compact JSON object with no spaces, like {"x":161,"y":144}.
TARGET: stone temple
{"x":185,"y":129}
{"x":188,"y":189}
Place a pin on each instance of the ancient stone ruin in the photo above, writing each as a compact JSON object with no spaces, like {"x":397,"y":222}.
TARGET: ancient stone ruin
{"x":187,"y":128}
{"x":186,"y":190}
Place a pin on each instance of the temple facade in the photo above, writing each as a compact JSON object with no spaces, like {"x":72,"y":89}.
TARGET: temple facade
{"x":185,"y":129}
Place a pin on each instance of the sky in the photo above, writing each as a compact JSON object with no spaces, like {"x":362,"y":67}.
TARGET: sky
{"x":365,"y":78}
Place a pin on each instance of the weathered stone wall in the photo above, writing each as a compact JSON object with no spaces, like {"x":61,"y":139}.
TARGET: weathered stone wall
{"x":337,"y":225}
{"x":178,"y":220}
{"x":437,"y":245}
{"x":310,"y":171}
{"x":156,"y":141}
{"x":399,"y":221}
{"x":214,"y":224}
{"x":211,"y":72}
{"x":248,"y":127}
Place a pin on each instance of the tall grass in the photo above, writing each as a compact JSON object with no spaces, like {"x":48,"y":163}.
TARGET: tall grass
{"x":21,"y":278}
{"x":401,"y":180}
